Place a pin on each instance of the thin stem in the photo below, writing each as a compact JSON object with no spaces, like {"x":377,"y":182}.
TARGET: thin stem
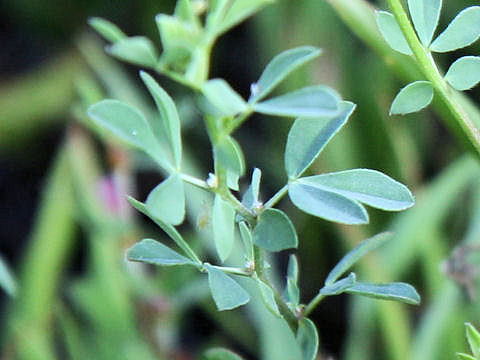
{"x":240,"y":208}
{"x":195,"y":181}
{"x":237,"y":121}
{"x":277,"y":197}
{"x":430,"y":70}
{"x":313,"y":304}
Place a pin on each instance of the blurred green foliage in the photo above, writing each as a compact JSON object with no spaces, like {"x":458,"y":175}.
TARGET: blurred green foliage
{"x":106,"y":308}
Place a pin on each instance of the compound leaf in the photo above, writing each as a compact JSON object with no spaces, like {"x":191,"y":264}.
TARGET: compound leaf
{"x":393,"y":291}
{"x":128,"y":124}
{"x":136,"y":49}
{"x":166,"y":202}
{"x":107,"y":29}
{"x":367,"y":186}
{"x":425,"y":15}
{"x":391,"y":32}
{"x":412,"y":98}
{"x":311,"y":101}
{"x":274,"y":231}
{"x":307,"y":339}
{"x":223,"y":97}
{"x":461,"y":32}
{"x":223,"y":222}
{"x":153,"y":252}
{"x":326,"y":204}
{"x":464,"y":73}
{"x":355,"y":254}
{"x":168,"y":115}
{"x":279,"y":68}
{"x":226,"y":292}
{"x":268,"y":298}
{"x":308,"y":137}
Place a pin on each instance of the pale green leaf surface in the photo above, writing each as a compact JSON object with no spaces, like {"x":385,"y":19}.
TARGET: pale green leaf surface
{"x":425,"y":15}
{"x":220,"y":354}
{"x":308,"y":137}
{"x":355,"y":254}
{"x":153,"y":252}
{"x":292,"y":268}
{"x":327,"y":205}
{"x":223,"y":97}
{"x":311,"y":101}
{"x":168,"y":116}
{"x":166,"y":202}
{"x":268,"y":298}
{"x":292,"y":292}
{"x":223,"y":222}
{"x":461,"y":32}
{"x":107,"y":29}
{"x":412,"y":98}
{"x":393,"y":291}
{"x":473,"y":337}
{"x":184,"y":10}
{"x":274,"y":231}
{"x":339,"y":286}
{"x":279,"y":68}
{"x":465,"y":357}
{"x":238,"y":11}
{"x":247,"y":239}
{"x":391,"y":32}
{"x":226,"y":292}
{"x":367,"y":186}
{"x":127,"y":124}
{"x":177,"y":35}
{"x":7,"y":281}
{"x":230,"y":156}
{"x":169,"y":229}
{"x":307,"y":339}
{"x":136,"y":49}
{"x":464,"y":73}
{"x":250,"y":199}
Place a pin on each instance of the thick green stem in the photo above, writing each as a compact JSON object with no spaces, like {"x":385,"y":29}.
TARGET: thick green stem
{"x":430,"y":70}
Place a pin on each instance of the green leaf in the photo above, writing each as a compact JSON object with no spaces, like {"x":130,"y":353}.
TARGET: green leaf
{"x":464,"y":73}
{"x":223,"y":97}
{"x":250,"y":199}
{"x":339,"y":286}
{"x":166,"y":202}
{"x":247,"y":239}
{"x":292,"y":292}
{"x":238,"y":11}
{"x":108,"y":30}
{"x":425,"y":15}
{"x":268,"y":298}
{"x":223,"y":222}
{"x":274,"y":231}
{"x":465,"y":357}
{"x":185,"y":11}
{"x":355,"y":254}
{"x":308,"y":137}
{"x":327,"y":205}
{"x":307,"y":339}
{"x":461,"y":32}
{"x":393,"y":291}
{"x":220,"y":354}
{"x":7,"y":281}
{"x":473,"y":337}
{"x":179,"y":38}
{"x":226,"y":292}
{"x":311,"y":101}
{"x":279,"y":68}
{"x":136,"y":49}
{"x":292,"y":269}
{"x":391,"y":32}
{"x":367,"y":186}
{"x":127,"y":124}
{"x":229,"y":155}
{"x":169,"y":229}
{"x":412,"y":98}
{"x":168,"y":115}
{"x":153,"y":252}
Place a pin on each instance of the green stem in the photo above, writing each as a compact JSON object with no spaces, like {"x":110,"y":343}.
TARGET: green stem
{"x":233,"y":270}
{"x":237,"y":121}
{"x":430,"y":70}
{"x":313,"y":304}
{"x":277,"y":197}
{"x":195,"y":181}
